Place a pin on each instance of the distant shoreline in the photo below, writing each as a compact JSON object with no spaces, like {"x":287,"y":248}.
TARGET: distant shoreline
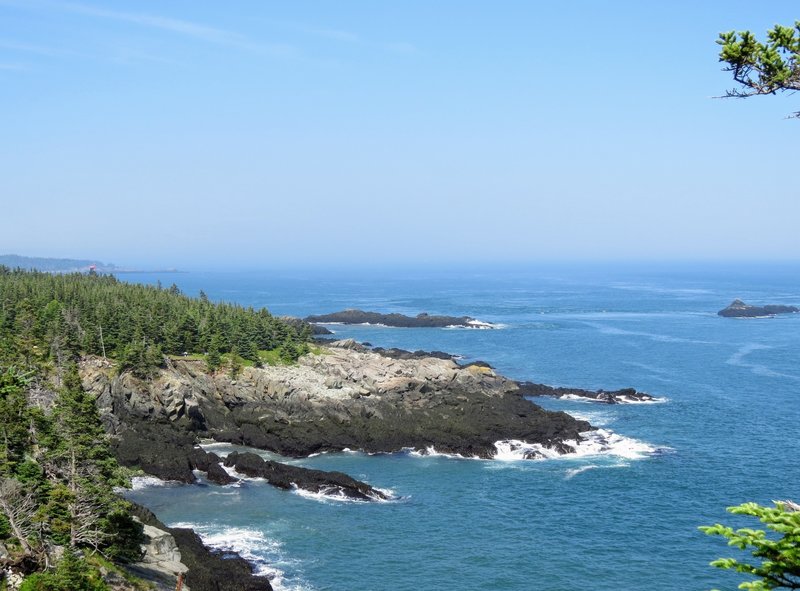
{"x":124,"y":271}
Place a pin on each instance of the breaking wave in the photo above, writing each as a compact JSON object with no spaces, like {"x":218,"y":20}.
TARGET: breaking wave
{"x":335,"y":494}
{"x":252,"y":545}
{"x":430,"y":452}
{"x":593,"y":443}
{"x":619,"y":399}
{"x":141,"y":482}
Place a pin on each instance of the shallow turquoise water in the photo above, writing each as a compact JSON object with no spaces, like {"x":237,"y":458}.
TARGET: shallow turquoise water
{"x":727,"y":433}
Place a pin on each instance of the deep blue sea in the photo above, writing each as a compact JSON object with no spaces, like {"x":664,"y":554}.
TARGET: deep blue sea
{"x":728,"y":432}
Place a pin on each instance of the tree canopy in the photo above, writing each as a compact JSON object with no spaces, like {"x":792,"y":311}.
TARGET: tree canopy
{"x":777,"y":549}
{"x":762,"y":68}
{"x":57,"y":470}
{"x":52,"y":318}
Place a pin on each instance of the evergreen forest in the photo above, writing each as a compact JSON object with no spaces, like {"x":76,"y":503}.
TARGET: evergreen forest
{"x":61,"y":522}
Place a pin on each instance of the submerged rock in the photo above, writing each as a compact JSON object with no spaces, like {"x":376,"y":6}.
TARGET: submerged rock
{"x":738,"y":309}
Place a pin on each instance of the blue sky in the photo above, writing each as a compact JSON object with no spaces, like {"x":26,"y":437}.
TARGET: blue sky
{"x":202,"y":134}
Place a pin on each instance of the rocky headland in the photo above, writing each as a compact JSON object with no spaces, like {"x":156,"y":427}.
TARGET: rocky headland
{"x":738,"y":309}
{"x":422,"y":320}
{"x":344,"y":397}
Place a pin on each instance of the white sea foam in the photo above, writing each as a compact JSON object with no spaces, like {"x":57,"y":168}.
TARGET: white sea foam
{"x":595,"y":416}
{"x":241,"y":477}
{"x":619,"y":399}
{"x":220,"y":448}
{"x":223,"y":449}
{"x":760,"y":369}
{"x":654,"y":400}
{"x":430,"y":452}
{"x":335,"y":494}
{"x":478,"y":325}
{"x":251,"y":544}
{"x":661,"y":338}
{"x":593,"y":443}
{"x":572,"y":472}
{"x":140,"y":482}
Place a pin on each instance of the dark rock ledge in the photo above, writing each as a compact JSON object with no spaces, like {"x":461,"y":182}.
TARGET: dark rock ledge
{"x":288,"y":477}
{"x":145,"y":447}
{"x":395,"y":320}
{"x":623,"y":396}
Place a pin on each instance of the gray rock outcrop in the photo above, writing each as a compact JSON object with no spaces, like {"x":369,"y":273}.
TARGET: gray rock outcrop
{"x":161,"y":560}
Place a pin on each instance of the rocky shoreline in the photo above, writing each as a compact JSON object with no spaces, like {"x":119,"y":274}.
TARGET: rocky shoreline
{"x":343,"y":396}
{"x":172,"y":551}
{"x":347,"y":397}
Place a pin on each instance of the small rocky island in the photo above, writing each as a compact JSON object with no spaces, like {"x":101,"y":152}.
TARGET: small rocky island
{"x":738,"y":309}
{"x":395,"y":320}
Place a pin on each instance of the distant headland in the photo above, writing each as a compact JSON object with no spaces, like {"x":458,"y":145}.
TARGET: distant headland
{"x":56,"y":265}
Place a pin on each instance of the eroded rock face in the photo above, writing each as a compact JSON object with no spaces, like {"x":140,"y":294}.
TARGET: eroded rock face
{"x":346,"y":397}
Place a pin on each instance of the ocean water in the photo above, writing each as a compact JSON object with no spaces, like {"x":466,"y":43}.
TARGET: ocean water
{"x":727,"y":432}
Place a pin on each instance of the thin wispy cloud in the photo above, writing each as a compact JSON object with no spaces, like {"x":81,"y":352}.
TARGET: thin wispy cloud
{"x":27,"y":48}
{"x":180,"y":27}
{"x":13,"y":67}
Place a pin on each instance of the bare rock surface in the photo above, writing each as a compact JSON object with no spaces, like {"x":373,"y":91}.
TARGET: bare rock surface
{"x":161,"y":560}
